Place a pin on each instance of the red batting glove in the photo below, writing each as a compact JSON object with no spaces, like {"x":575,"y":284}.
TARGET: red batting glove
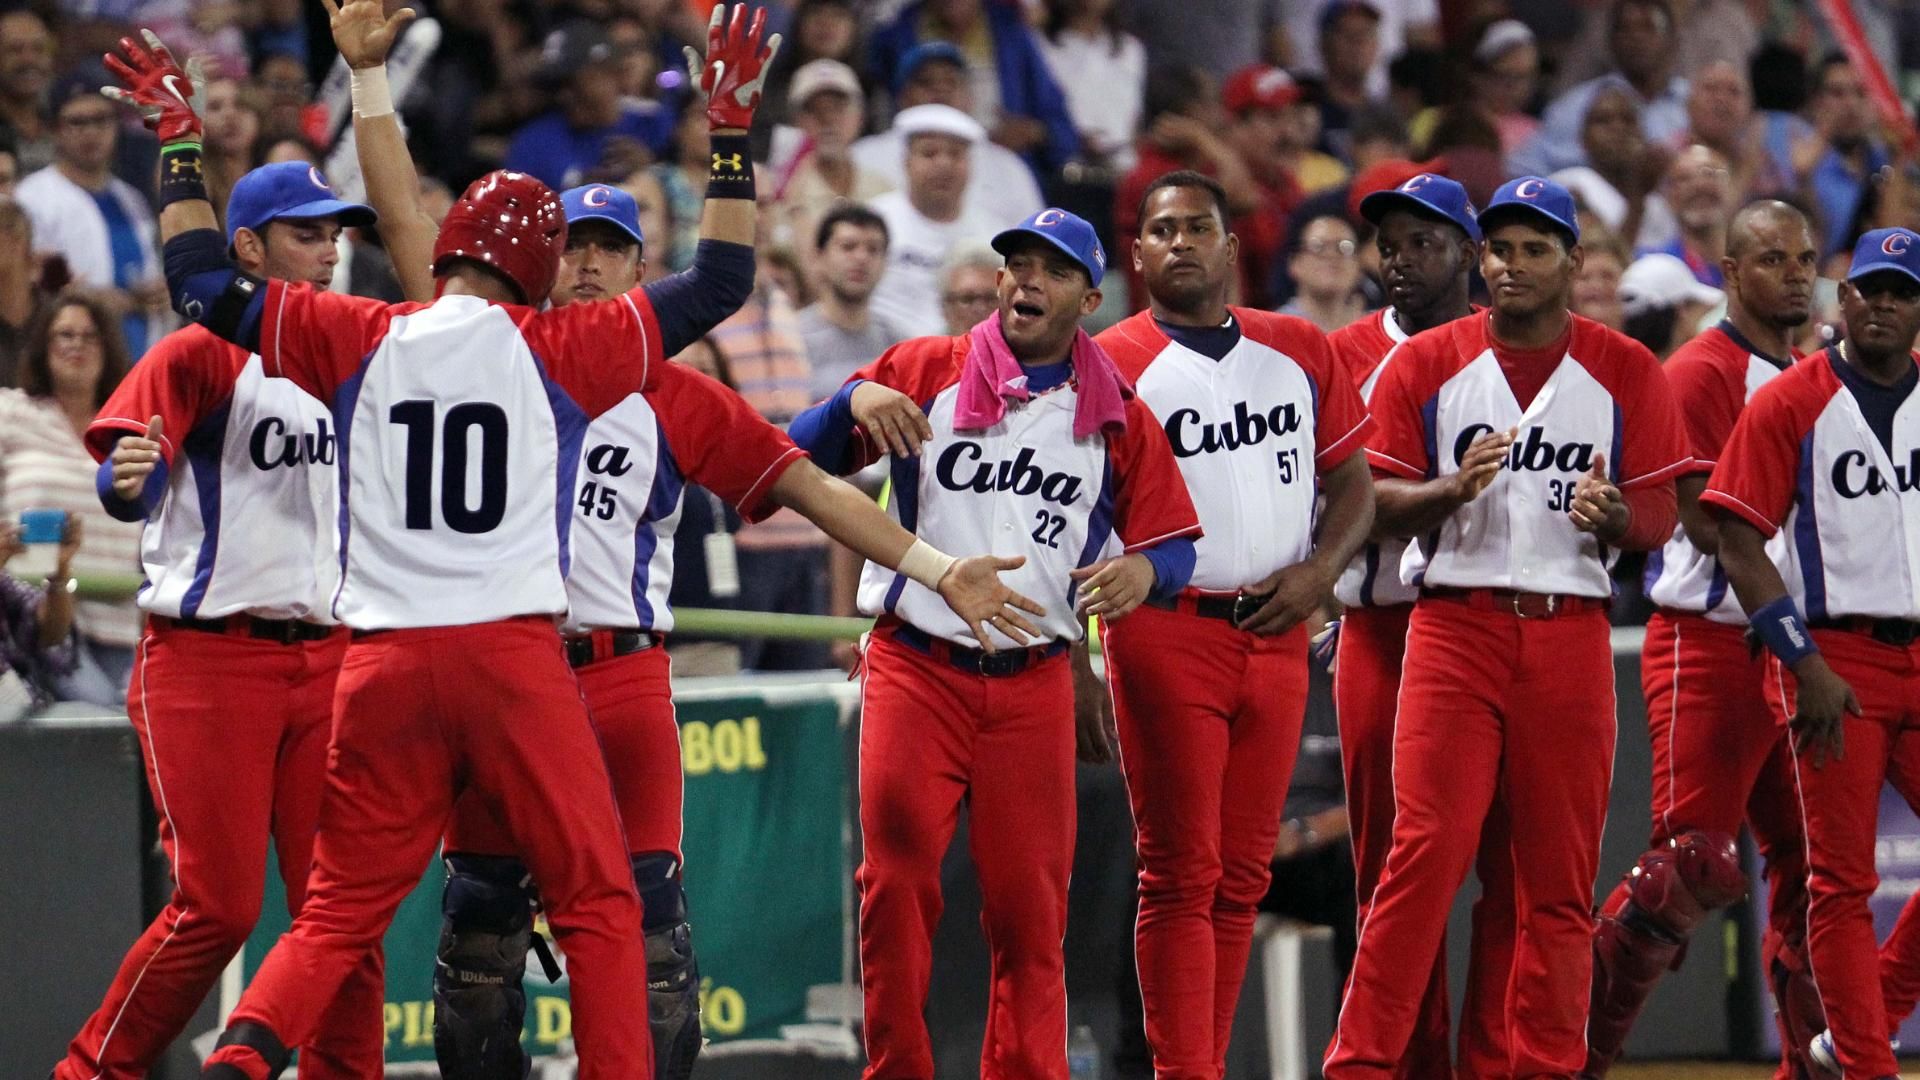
{"x":735,"y":67}
{"x":169,"y":99}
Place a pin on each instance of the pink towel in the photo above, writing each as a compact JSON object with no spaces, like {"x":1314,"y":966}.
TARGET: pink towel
{"x":992,"y":375}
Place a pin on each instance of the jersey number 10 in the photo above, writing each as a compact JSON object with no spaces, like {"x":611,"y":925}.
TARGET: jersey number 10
{"x":417,"y":417}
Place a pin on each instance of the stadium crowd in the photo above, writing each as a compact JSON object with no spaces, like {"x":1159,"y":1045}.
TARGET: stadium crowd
{"x":896,"y":139}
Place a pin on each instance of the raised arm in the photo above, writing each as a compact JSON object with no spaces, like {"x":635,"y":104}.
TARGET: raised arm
{"x":365,"y":35}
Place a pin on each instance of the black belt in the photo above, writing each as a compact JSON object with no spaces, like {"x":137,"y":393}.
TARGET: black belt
{"x":597,"y":645}
{"x":1227,"y":607}
{"x":1899,"y":633}
{"x":993,"y":665}
{"x":283,"y":631}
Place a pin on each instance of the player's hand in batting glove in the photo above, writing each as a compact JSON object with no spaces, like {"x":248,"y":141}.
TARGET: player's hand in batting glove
{"x":973,"y":589}
{"x":1298,"y":591}
{"x":1113,"y":587}
{"x":170,"y":99}
{"x":134,"y":459}
{"x":890,"y":419}
{"x":1484,"y":459}
{"x":735,"y":67}
{"x":1598,"y":506}
{"x":364,"y":32}
{"x":1822,"y":701}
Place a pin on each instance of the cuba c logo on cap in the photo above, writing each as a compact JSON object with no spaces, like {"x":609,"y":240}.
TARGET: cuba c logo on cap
{"x":595,"y":197}
{"x":313,"y":174}
{"x":1897,"y":243}
{"x":1049,"y":216}
{"x":1529,"y":189}
{"x":1416,"y":183}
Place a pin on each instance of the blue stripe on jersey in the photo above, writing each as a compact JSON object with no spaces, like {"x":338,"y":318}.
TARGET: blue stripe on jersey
{"x":1619,"y":443}
{"x":1430,"y":427}
{"x":202,"y":446}
{"x":668,"y":484}
{"x":906,"y":498}
{"x":1806,"y":534}
{"x":570,"y":432}
{"x":345,"y":400}
{"x":1716,"y":586}
{"x":1656,"y":563}
{"x":1371,"y":574}
{"x":1099,"y":520}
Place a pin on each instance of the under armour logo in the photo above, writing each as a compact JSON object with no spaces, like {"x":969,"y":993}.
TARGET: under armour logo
{"x":729,"y":162}
{"x":179,"y":165}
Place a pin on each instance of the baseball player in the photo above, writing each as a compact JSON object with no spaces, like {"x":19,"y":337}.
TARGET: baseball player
{"x":1020,"y":436}
{"x":1719,"y":757}
{"x":460,"y":427}
{"x":232,"y":692}
{"x":1428,"y":242}
{"x":1521,"y":449}
{"x":1210,"y":683}
{"x":1827,"y":455}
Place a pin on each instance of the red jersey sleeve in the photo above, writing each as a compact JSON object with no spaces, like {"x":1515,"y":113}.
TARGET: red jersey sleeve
{"x":319,"y":339}
{"x":719,"y":441}
{"x":1150,"y":500}
{"x":1713,"y":399}
{"x":1753,"y":479}
{"x":599,"y":352}
{"x":1402,"y":432}
{"x":183,"y":379}
{"x":1654,"y":445}
{"x":919,"y":368}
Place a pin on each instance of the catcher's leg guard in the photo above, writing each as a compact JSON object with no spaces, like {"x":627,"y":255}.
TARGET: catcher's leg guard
{"x":247,"y":1051}
{"x":1797,"y":1010}
{"x":478,"y":1003}
{"x":1669,"y":892}
{"x":673,"y":976}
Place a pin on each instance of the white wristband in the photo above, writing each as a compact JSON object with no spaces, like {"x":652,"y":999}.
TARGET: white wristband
{"x":371,"y":96}
{"x":926,"y":564}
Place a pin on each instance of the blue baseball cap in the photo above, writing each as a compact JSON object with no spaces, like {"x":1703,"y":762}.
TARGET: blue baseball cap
{"x":1068,"y":232}
{"x":1896,"y":250}
{"x":1539,"y":197}
{"x":601,"y":202}
{"x":289,"y":189}
{"x":923,"y":54}
{"x":1426,"y":195}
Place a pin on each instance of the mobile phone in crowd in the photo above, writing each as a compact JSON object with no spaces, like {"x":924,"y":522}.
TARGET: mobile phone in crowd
{"x":41,"y":531}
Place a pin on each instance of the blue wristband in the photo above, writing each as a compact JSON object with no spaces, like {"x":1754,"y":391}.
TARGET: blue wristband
{"x":1779,"y":626}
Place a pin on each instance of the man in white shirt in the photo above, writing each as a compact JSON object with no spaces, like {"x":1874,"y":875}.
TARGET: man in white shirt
{"x":931,"y":217}
{"x":936,"y":73}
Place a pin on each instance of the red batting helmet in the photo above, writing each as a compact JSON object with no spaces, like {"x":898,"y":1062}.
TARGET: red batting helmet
{"x":512,"y":223}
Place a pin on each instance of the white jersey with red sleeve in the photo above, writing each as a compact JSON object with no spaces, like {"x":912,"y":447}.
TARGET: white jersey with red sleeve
{"x":1026,"y":486}
{"x":639,"y":457}
{"x":1364,"y":347}
{"x":1445,"y":388}
{"x":1251,"y":432}
{"x":249,"y":522}
{"x":460,"y":431}
{"x":1713,"y":376}
{"x":1802,"y":463}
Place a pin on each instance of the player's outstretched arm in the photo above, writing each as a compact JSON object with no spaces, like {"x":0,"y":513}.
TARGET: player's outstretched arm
{"x":365,"y":34}
{"x":971,"y":587}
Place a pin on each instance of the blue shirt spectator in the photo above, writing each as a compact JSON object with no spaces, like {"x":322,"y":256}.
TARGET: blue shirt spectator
{"x":1640,"y":36}
{"x":1015,"y":95}
{"x":1843,"y":153}
{"x":594,"y":127}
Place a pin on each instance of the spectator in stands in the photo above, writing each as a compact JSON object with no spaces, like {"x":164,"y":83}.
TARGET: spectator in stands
{"x":1325,"y":267}
{"x":1003,"y":188}
{"x":968,"y":285}
{"x":1503,"y":76}
{"x":1014,"y":96}
{"x":481,"y":78}
{"x":1405,"y":27}
{"x":594,"y":124}
{"x":1699,"y":192}
{"x":1267,"y":118}
{"x":288,"y":94}
{"x":706,"y":562}
{"x":650,"y":199}
{"x":1596,"y":287}
{"x":1212,"y":35}
{"x":1640,"y":40}
{"x":821,"y":173}
{"x":1704,"y":32}
{"x":232,"y":120}
{"x":822,"y":30}
{"x":20,"y":293}
{"x":271,"y":149}
{"x":1103,"y":71}
{"x":1664,"y":302}
{"x":26,"y":74}
{"x":1835,"y":161}
{"x":1349,"y":50}
{"x":74,"y":358}
{"x":96,"y":221}
{"x":1621,"y":169}
{"x":36,"y":625}
{"x":9,"y":165}
{"x":1720,"y":115}
{"x":929,"y":218}
{"x":683,"y":180}
{"x":842,"y":332}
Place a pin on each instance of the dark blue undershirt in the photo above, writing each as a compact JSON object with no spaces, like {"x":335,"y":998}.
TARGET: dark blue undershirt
{"x":1213,"y":342}
{"x":1877,"y":402}
{"x":1733,"y":332}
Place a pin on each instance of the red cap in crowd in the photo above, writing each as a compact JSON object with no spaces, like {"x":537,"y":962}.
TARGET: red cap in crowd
{"x":1386,"y":176}
{"x":1259,"y":86}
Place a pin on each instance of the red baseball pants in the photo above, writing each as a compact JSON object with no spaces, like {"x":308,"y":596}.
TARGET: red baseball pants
{"x":1209,"y":718}
{"x":930,"y":736}
{"x":1840,"y":811}
{"x":234,"y":735}
{"x":422,"y":714}
{"x":1490,"y":704}
{"x":1366,"y":690}
{"x":1900,"y":953}
{"x":630,"y":700}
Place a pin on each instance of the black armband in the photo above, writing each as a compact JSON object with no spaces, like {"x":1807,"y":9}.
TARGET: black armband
{"x":730,"y":168}
{"x":182,"y":176}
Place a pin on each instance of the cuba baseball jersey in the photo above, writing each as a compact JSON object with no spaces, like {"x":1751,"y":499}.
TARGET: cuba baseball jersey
{"x":452,"y":416}
{"x":1366,"y":347}
{"x":1715,"y":374}
{"x":1025,"y":486}
{"x":248,"y":466}
{"x":1446,"y":388}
